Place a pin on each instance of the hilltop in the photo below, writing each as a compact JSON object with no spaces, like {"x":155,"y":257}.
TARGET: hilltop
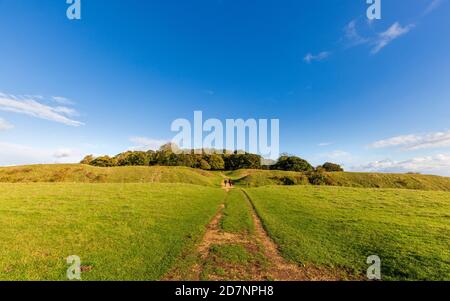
{"x":256,"y":178}
{"x":79,"y":173}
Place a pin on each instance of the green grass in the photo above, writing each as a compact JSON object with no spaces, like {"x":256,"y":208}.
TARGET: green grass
{"x":382,"y":180}
{"x":237,"y":217}
{"x":340,"y":227}
{"x":79,"y":173}
{"x":129,"y":223}
{"x":257,"y":178}
{"x":120,"y":231}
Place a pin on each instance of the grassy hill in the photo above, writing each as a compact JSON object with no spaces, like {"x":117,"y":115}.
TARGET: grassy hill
{"x":77,"y":173}
{"x":124,"y":228}
{"x":257,"y":178}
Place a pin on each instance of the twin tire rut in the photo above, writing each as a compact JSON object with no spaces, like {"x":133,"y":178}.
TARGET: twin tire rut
{"x":275,"y":267}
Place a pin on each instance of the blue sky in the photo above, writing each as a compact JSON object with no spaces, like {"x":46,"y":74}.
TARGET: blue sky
{"x":374,"y":96}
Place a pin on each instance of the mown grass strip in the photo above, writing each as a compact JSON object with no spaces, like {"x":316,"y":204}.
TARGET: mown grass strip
{"x":237,"y":217}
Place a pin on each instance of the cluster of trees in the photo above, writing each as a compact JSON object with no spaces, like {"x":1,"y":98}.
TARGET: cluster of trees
{"x":214,"y":161}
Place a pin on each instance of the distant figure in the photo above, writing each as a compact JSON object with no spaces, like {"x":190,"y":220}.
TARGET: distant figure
{"x":226,"y":182}
{"x":230,"y":182}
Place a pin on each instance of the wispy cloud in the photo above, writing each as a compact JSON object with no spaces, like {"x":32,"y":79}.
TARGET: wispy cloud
{"x":62,"y":100}
{"x":145,"y":144}
{"x":392,"y":33}
{"x":415,"y":142}
{"x":435,"y":164}
{"x":323,"y":144}
{"x":309,"y":58}
{"x":4,"y":125}
{"x":352,"y":36}
{"x":31,"y":106}
{"x":434,"y":4}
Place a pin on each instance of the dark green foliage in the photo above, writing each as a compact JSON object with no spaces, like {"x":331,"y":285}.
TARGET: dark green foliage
{"x":204,"y":165}
{"x":104,"y":161}
{"x":288,"y":180}
{"x":292,"y":163}
{"x":216,"y":162}
{"x":170,"y":155}
{"x":317,"y":178}
{"x":331,"y":167}
{"x":242,"y":161}
{"x":133,"y":159}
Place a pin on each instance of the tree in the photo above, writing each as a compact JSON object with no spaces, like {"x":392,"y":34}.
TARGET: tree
{"x":331,"y":167}
{"x":242,"y":161}
{"x":133,"y":159}
{"x":292,"y":163}
{"x":216,"y":162}
{"x":104,"y":161}
{"x":204,"y":165}
{"x":87,"y":160}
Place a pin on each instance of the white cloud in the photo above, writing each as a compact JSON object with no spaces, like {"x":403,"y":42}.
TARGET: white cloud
{"x":392,"y":33}
{"x":145,"y":144}
{"x":434,"y":4}
{"x":352,"y":35}
{"x":16,"y":154}
{"x":323,"y":144}
{"x":436,"y":164}
{"x":4,"y":125}
{"x":415,"y":142}
{"x":62,"y":100}
{"x":32,"y":107}
{"x":309,"y":58}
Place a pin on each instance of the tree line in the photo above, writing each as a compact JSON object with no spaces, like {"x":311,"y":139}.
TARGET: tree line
{"x":225,"y":160}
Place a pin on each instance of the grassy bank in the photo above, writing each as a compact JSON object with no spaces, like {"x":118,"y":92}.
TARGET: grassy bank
{"x":340,"y":227}
{"x":78,"y":173}
{"x":257,"y":178}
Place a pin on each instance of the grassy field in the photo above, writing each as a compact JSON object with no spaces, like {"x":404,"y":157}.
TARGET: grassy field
{"x":339,"y":227}
{"x":236,"y":216}
{"x":120,"y":231}
{"x":138,"y":223}
{"x":79,"y":173}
